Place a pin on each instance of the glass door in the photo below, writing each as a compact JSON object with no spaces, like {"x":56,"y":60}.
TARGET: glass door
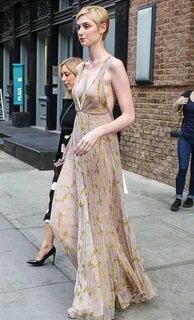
{"x":41,"y":72}
{"x":65,"y":51}
{"x":24,"y":60}
{"x":6,"y":66}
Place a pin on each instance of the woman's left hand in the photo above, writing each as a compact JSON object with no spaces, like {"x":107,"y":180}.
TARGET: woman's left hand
{"x":87,"y":142}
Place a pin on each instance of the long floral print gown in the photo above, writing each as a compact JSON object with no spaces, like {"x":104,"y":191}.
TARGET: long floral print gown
{"x":88,"y":216}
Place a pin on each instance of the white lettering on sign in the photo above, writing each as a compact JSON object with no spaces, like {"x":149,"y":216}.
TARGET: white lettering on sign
{"x":19,"y":79}
{"x":19,"y":94}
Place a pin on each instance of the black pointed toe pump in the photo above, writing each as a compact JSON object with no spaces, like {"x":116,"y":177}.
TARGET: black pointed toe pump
{"x":38,"y":263}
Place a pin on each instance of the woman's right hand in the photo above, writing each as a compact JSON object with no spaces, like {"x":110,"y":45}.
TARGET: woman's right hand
{"x":181,"y":100}
{"x":87,"y":142}
{"x":178,"y":104}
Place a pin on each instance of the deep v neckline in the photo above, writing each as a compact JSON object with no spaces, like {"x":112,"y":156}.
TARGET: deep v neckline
{"x":84,"y":94}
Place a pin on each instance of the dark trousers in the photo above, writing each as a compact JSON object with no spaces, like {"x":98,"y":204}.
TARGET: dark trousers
{"x":185,"y":152}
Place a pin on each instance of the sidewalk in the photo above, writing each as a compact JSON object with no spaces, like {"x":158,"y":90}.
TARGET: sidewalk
{"x":166,"y":242}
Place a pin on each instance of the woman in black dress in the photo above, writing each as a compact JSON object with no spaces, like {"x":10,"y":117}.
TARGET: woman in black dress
{"x":68,"y":73}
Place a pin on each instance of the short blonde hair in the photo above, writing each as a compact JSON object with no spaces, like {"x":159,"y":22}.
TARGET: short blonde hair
{"x":98,"y":14}
{"x":71,"y":64}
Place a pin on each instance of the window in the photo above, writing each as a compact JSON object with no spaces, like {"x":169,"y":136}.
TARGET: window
{"x":63,"y":4}
{"x":145,"y":44}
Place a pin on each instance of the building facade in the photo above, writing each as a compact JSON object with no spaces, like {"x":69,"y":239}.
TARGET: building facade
{"x":40,"y":34}
{"x":147,"y":148}
{"x":154,"y":39}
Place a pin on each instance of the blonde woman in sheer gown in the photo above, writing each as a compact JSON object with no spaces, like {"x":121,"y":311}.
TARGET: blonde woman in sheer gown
{"x":88,"y":215}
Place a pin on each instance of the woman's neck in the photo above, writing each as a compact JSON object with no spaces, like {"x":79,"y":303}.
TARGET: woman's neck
{"x":97,"y":54}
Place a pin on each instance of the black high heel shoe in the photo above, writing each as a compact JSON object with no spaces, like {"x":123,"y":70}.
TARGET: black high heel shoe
{"x":38,"y":263}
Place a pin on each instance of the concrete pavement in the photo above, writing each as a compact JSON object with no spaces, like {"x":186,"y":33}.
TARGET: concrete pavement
{"x":165,"y":238}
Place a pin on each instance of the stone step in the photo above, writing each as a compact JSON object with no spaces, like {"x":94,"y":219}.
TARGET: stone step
{"x":40,"y":159}
{"x":1,"y":144}
{"x":32,"y":145}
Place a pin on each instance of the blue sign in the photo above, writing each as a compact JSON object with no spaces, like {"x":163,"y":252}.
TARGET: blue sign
{"x":18,"y":84}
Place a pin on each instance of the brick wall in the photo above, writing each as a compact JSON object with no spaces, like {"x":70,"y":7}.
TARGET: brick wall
{"x":146,"y":148}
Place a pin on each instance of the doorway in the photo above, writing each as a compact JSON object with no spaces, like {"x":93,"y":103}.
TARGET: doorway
{"x":41,"y":79}
{"x":65,"y":51}
{"x":6,"y":66}
{"x":24,"y":60}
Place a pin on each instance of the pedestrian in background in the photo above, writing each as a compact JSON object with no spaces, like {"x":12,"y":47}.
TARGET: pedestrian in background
{"x":67,"y":71}
{"x":185,"y":150}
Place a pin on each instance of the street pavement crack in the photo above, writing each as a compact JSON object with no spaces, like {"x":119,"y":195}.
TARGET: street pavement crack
{"x":172,"y":226}
{"x":171,"y":265}
{"x":33,"y":287}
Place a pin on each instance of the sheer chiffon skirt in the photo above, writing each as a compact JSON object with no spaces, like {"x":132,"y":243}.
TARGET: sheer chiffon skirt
{"x":89,"y":221}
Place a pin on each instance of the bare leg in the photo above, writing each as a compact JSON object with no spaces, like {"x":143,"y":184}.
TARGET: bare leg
{"x":47,"y":242}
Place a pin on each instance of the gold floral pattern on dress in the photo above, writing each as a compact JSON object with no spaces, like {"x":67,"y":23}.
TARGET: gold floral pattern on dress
{"x":88,"y":216}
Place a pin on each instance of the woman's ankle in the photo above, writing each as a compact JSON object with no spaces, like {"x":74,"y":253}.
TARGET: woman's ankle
{"x":44,"y":249}
{"x":46,"y":245}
